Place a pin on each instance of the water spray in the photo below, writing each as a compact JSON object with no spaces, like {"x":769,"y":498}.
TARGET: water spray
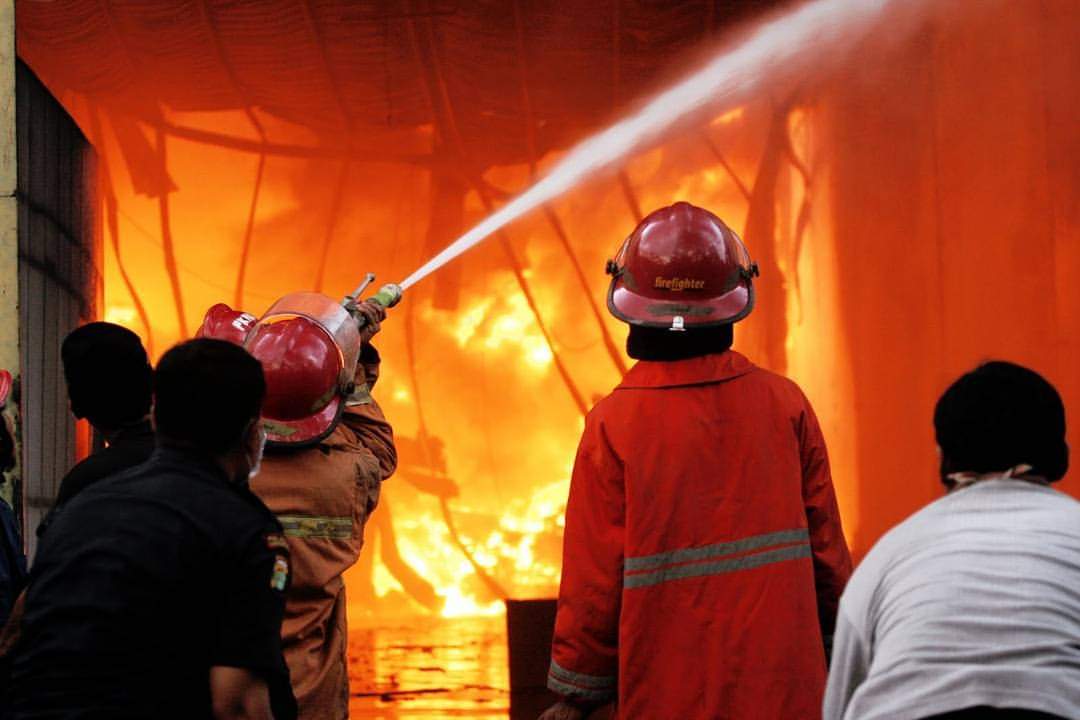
{"x":782,"y":45}
{"x":811,"y":34}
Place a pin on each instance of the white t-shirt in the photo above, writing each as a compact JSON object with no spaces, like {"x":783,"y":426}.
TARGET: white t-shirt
{"x":973,"y":600}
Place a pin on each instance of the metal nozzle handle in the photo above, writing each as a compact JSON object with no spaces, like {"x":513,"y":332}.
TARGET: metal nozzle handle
{"x":355,"y":294}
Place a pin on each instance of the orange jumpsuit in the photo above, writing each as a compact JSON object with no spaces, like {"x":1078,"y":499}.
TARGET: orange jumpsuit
{"x":703,"y":553}
{"x":323,"y":496}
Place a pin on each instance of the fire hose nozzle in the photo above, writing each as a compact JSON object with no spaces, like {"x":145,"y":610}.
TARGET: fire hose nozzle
{"x":388,"y":296}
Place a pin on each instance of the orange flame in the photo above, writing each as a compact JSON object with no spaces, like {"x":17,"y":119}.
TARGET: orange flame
{"x":485,"y":370}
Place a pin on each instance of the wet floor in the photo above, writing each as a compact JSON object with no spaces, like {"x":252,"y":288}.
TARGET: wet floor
{"x":430,"y":668}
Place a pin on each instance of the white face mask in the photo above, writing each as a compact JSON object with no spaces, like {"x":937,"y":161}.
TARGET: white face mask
{"x":256,"y":463}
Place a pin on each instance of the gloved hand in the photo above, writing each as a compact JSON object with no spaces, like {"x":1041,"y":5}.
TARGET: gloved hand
{"x":373,"y":314}
{"x":562,"y":711}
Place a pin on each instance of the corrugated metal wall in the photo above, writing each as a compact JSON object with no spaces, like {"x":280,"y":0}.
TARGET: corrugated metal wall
{"x":59,"y":282}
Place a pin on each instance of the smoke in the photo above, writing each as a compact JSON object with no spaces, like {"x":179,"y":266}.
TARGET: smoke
{"x":815,"y":34}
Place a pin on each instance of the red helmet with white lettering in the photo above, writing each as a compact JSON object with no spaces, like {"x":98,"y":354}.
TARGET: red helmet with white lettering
{"x":682,"y":267}
{"x":308,"y":345}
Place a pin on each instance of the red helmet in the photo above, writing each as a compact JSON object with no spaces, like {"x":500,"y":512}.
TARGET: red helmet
{"x":221,"y":322}
{"x":681,"y":267}
{"x":308,"y":346}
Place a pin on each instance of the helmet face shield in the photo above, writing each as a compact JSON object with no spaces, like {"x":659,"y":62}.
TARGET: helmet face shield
{"x":309,"y":347}
{"x":326,"y":313}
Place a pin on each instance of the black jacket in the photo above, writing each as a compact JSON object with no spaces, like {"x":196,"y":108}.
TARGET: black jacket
{"x":142,"y":584}
{"x":130,"y":447}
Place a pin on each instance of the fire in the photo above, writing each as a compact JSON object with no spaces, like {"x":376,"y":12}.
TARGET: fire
{"x":514,"y":482}
{"x":520,"y":553}
{"x":729,"y":117}
{"x":516,"y":327}
{"x":121,"y":315}
{"x":502,"y":324}
{"x":521,"y":530}
{"x":425,"y":545}
{"x":469,"y":321}
{"x":484,"y":371}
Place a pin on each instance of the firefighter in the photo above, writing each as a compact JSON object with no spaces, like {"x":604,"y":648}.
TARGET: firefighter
{"x":329,"y":449}
{"x":703,"y":556}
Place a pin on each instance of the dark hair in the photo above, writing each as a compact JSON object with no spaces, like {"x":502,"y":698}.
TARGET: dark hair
{"x":998,"y":416}
{"x":108,"y":375}
{"x":649,"y":343}
{"x":206,"y":394}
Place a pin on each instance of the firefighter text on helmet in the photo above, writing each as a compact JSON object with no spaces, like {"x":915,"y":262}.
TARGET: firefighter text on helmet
{"x":681,"y":267}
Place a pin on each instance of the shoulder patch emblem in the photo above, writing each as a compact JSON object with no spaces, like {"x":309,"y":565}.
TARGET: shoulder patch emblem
{"x":280,"y":576}
{"x":276,"y":541}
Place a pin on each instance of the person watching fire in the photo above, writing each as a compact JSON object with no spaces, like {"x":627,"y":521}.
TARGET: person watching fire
{"x":970,"y":608}
{"x":329,"y":450}
{"x":109,"y":383}
{"x":158,"y":592}
{"x":703,"y":555}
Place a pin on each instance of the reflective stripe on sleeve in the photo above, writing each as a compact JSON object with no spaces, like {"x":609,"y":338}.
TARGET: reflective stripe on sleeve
{"x":717,"y":559}
{"x":574,"y":691}
{"x":580,"y":679}
{"x":317,"y":526}
{"x":568,"y":683}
